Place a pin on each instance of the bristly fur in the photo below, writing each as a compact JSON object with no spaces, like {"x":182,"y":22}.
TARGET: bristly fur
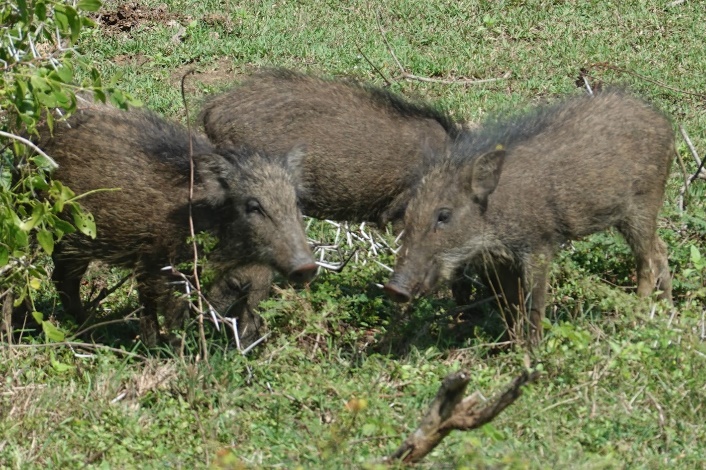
{"x":512,"y":128}
{"x":381,"y":96}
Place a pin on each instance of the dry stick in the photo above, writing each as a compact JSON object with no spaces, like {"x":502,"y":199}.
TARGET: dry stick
{"x":127,"y":318}
{"x":451,"y":411}
{"x":76,"y":344}
{"x":408,"y":76}
{"x":107,"y":292}
{"x":683,"y":192}
{"x":687,"y":181}
{"x":379,"y":72}
{"x":694,"y":153}
{"x":605,"y":65}
{"x":202,"y":333}
{"x":8,"y":299}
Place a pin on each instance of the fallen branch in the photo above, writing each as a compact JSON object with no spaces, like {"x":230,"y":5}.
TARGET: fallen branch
{"x":73,"y":344}
{"x":408,"y":76}
{"x":605,"y":65}
{"x":450,"y":411}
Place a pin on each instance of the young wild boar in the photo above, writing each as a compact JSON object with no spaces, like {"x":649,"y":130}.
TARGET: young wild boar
{"x":516,"y":189}
{"x":246,"y":199}
{"x":364,"y":145}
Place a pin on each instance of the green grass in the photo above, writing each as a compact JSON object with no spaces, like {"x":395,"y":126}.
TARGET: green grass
{"x":623,"y":383}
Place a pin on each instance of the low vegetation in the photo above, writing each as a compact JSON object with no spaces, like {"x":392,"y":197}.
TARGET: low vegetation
{"x":346,"y":374}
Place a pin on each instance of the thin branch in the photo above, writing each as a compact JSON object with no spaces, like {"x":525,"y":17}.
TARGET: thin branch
{"x":127,"y":318}
{"x":605,"y":65}
{"x":408,"y":76}
{"x":694,"y":153}
{"x":379,"y":72}
{"x":75,"y":344}
{"x":105,"y":293}
{"x":33,"y":146}
{"x":192,"y":232}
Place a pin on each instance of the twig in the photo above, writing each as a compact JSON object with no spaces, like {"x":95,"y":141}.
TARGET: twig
{"x":192,"y":232}
{"x":694,"y":153}
{"x":605,"y":65}
{"x":408,"y":76}
{"x":125,"y":319}
{"x":379,"y":72}
{"x":339,"y":267}
{"x":33,"y":146}
{"x":75,"y":344}
{"x":451,"y":411}
{"x":107,"y":292}
{"x":687,"y":181}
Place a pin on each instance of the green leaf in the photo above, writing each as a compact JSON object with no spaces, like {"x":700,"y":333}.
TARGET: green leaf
{"x":695,"y":254}
{"x":53,"y":333}
{"x":37,"y":213}
{"x":89,"y":5}
{"x":74,"y":23}
{"x":38,"y":316}
{"x":64,"y":74}
{"x":59,"y":366}
{"x":4,"y":256}
{"x":40,"y":11}
{"x":46,"y":241}
{"x":84,"y":221}
{"x":61,"y":227}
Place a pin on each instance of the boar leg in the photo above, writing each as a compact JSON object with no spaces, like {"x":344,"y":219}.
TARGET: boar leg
{"x":67,"y":276}
{"x":513,"y":283}
{"x":461,"y":287}
{"x":505,"y":282}
{"x":151,"y":289}
{"x":661,"y":268}
{"x":537,"y":283}
{"x":650,"y":255}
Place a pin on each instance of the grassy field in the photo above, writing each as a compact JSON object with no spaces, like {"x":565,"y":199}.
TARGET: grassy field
{"x":346,"y":374}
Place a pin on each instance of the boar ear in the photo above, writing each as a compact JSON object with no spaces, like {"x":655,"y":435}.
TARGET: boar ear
{"x":294,"y":160}
{"x":211,"y":178}
{"x":485,"y":173}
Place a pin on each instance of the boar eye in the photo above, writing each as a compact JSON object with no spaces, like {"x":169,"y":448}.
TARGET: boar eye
{"x":253,"y":206}
{"x":443,"y":217}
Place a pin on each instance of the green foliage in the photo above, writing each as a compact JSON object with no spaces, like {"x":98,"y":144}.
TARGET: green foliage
{"x":623,"y":383}
{"x":39,"y":64}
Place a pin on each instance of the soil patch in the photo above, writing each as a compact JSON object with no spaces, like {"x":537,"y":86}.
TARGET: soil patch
{"x":128,"y":16}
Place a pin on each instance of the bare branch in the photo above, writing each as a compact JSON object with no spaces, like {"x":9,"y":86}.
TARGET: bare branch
{"x":73,"y":344}
{"x":605,"y":65}
{"x":408,"y":76}
{"x":700,"y":163}
{"x":379,"y":72}
{"x":450,"y":411}
{"x":192,"y":232}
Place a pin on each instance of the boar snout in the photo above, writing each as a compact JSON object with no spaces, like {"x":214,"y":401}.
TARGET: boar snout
{"x":303,"y":273}
{"x":396,"y":291}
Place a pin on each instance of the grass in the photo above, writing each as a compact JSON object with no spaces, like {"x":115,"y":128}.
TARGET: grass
{"x":623,"y":379}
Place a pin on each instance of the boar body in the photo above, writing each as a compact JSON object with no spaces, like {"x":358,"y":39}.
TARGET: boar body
{"x":516,"y":189}
{"x":245,"y":198}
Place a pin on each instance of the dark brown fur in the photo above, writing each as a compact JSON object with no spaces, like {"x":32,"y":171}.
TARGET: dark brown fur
{"x":364,"y":145}
{"x":245,"y":198}
{"x":516,"y":189}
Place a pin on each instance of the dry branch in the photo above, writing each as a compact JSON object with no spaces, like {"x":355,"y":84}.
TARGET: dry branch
{"x":408,"y":76}
{"x":451,"y":411}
